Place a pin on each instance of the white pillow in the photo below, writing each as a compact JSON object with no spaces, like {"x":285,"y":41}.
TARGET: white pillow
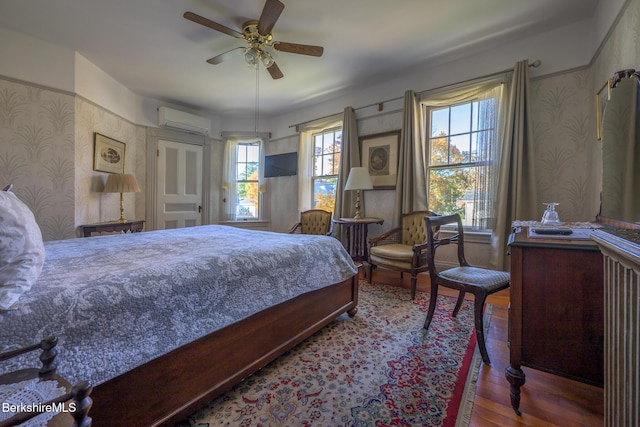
{"x":21,"y":249}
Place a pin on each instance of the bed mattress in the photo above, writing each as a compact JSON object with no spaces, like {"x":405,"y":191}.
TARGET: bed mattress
{"x":118,"y":301}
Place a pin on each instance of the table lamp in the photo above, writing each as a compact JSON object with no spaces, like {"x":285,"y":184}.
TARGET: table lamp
{"x":358,"y":179}
{"x":121,"y":183}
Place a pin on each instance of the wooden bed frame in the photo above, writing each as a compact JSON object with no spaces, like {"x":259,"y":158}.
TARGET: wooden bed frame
{"x":171,"y":387}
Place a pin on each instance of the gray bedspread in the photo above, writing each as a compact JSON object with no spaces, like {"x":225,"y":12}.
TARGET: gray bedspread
{"x":118,"y":301}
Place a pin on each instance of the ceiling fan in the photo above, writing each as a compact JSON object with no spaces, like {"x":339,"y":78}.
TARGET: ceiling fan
{"x":258,"y":35}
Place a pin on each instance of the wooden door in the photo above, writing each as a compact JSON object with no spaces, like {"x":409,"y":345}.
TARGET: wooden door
{"x":179,"y":185}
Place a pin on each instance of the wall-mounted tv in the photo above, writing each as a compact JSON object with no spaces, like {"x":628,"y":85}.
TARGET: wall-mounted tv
{"x":281,"y":165}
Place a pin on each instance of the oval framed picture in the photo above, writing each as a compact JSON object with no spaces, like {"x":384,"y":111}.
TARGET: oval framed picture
{"x":379,"y":154}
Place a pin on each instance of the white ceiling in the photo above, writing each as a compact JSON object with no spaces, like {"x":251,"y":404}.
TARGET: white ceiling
{"x":150,"y":48}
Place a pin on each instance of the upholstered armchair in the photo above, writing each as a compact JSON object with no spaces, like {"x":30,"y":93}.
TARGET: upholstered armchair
{"x":402,"y":249}
{"x":314,"y":221}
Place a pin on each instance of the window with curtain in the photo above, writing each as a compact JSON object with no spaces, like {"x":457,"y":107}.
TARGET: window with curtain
{"x":248,"y":180}
{"x":243,"y":175}
{"x":462,"y":149}
{"x":327,"y":147}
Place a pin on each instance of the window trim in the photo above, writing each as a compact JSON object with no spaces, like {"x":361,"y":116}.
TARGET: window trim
{"x":314,"y":177}
{"x":463,"y":94}
{"x":260,"y":164}
{"x":229,"y":182}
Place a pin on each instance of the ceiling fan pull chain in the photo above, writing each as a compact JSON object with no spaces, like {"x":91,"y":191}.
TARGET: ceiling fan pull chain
{"x":257,"y":98}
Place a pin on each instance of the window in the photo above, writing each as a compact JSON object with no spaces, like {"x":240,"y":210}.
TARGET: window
{"x":462,"y":150}
{"x":327,"y":146}
{"x":247,"y":180}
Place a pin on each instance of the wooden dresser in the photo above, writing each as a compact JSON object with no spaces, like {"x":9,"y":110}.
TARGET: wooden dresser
{"x":134,"y":226}
{"x":556,"y":309}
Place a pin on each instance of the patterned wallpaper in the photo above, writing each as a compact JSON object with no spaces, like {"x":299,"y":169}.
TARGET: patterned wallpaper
{"x":90,"y":204}
{"x":568,"y":156}
{"x":46,"y":143}
{"x":37,"y":153}
{"x":46,"y":151}
{"x":566,"y":150}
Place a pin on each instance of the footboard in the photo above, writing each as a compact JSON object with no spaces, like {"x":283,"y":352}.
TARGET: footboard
{"x":173,"y":386}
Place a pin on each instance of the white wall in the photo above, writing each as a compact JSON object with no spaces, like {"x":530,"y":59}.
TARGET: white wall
{"x":562,"y":49}
{"x":33,"y":60}
{"x":605,"y":15}
{"x":37,"y":61}
{"x":97,"y":86}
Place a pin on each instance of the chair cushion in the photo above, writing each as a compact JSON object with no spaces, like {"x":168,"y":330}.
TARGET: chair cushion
{"x":394,"y":254}
{"x":21,"y":249}
{"x":488,"y":279}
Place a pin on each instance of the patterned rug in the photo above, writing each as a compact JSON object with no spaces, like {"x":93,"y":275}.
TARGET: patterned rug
{"x":377,"y":369}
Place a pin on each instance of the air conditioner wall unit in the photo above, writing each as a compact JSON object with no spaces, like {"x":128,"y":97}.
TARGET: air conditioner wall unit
{"x":176,"y":119}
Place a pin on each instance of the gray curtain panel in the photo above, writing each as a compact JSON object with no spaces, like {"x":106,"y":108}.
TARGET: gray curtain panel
{"x":516,"y":196}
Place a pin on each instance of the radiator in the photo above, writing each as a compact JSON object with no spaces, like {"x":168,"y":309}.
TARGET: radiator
{"x":621,"y":328}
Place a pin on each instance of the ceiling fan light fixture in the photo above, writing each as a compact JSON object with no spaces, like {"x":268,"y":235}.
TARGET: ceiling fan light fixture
{"x":267,"y":59}
{"x":257,"y":33}
{"x":251,"y":56}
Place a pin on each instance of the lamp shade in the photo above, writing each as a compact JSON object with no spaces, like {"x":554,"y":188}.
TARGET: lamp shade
{"x":121,"y":183}
{"x":358,"y":179}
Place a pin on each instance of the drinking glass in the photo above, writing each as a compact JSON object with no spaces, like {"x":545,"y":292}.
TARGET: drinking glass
{"x":550,"y":216}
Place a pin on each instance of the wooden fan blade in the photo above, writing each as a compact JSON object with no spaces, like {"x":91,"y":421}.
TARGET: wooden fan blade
{"x":302,"y":49}
{"x":224,"y":56}
{"x":275,"y":72}
{"x":213,"y":25}
{"x":270,"y":14}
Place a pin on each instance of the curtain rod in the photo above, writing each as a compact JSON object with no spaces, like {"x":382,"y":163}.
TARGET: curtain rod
{"x":380,"y":104}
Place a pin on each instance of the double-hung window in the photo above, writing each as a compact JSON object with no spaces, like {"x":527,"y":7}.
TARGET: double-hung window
{"x":462,"y":148}
{"x":243,"y":163}
{"x":248,"y":180}
{"x":327,"y":147}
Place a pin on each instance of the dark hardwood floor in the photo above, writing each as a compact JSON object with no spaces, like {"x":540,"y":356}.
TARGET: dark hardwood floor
{"x":546,"y":400}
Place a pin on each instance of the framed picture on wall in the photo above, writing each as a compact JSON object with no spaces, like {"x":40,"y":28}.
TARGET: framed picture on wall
{"x":108,"y":154}
{"x":379,"y":154}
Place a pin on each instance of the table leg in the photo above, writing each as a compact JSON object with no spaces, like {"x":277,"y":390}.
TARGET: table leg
{"x":516,"y":378}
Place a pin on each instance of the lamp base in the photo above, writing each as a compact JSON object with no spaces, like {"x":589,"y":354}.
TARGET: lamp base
{"x":121,"y":219}
{"x":357,"y":215}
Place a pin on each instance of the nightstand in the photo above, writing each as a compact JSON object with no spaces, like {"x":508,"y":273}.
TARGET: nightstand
{"x":133,"y":226}
{"x":357,"y":229}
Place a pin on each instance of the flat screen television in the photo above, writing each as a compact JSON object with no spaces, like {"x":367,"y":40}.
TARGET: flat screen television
{"x":281,"y":165}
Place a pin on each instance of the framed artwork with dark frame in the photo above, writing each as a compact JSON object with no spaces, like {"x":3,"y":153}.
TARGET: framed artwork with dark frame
{"x":108,"y":154}
{"x":379,"y":154}
{"x":601,"y":103}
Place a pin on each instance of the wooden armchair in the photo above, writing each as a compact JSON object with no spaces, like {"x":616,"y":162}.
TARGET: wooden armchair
{"x":314,"y":221}
{"x":77,"y":396}
{"x":403,"y":248}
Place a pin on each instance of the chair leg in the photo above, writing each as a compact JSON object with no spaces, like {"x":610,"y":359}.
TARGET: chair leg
{"x":456,"y":309}
{"x":433,"y":298}
{"x":371,"y":267}
{"x":414,"y":285}
{"x":478,"y":312}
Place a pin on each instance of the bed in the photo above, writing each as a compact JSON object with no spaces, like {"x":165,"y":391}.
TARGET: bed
{"x":161,"y":322}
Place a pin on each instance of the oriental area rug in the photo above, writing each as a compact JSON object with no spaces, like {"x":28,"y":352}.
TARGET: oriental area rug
{"x":378,"y":368}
